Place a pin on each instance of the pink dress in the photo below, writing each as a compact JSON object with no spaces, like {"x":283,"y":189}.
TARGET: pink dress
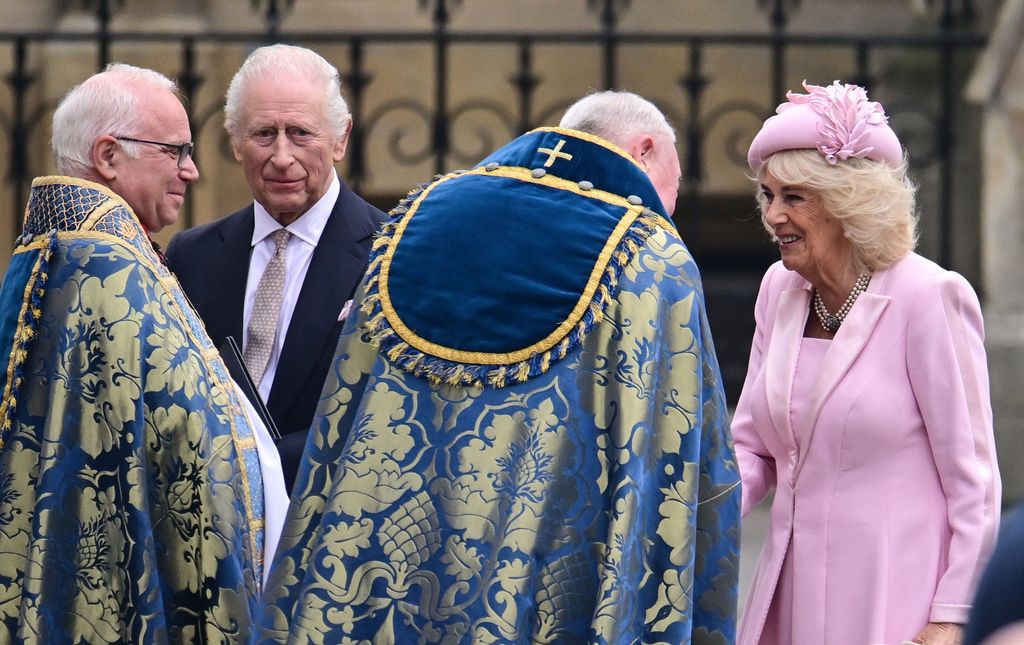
{"x":881,"y":455}
{"x":777,"y":626}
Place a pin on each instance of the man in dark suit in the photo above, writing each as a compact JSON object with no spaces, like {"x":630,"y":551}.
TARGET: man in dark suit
{"x":301,"y":246}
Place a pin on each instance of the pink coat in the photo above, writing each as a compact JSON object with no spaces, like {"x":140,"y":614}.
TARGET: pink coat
{"x":889,"y":507}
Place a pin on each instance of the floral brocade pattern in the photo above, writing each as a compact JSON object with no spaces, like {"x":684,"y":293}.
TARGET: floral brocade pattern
{"x":124,"y":512}
{"x":595,"y":503}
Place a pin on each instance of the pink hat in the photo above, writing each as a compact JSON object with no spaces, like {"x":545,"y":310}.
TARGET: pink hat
{"x":838,"y":120}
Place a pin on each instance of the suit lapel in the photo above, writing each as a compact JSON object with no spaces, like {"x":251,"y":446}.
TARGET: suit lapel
{"x":334,"y":272}
{"x":780,"y":365}
{"x":847,"y":345}
{"x":236,"y":241}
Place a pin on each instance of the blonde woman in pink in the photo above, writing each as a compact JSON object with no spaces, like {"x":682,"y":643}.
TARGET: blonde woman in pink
{"x":866,"y":401}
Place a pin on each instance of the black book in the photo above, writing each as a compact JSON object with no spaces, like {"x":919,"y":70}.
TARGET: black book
{"x":232,"y":356}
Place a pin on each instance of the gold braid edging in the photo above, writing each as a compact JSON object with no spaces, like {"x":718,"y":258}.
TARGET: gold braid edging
{"x":439,"y":364}
{"x":24,"y":333}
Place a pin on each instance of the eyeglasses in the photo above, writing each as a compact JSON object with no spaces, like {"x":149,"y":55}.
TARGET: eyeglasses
{"x":184,"y":149}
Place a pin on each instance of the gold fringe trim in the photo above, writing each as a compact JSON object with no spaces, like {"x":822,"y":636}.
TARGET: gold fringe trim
{"x":23,"y":336}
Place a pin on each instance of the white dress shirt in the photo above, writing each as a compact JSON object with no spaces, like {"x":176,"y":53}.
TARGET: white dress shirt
{"x":275,"y":495}
{"x":306,"y":231}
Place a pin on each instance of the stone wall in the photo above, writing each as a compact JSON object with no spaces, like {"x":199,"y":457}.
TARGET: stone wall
{"x":998,"y":86}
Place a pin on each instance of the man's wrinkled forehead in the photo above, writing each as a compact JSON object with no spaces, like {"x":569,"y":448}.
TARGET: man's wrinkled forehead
{"x":272,"y":96}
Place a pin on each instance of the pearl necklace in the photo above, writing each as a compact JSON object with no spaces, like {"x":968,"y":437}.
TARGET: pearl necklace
{"x":831,"y":322}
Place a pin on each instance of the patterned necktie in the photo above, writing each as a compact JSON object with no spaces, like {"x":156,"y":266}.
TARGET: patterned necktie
{"x":266,"y":309}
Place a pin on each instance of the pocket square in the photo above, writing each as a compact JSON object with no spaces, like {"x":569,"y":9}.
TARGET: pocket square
{"x":345,"y":310}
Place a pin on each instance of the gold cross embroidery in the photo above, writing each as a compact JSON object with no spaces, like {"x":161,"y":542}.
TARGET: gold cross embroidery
{"x":555,"y":154}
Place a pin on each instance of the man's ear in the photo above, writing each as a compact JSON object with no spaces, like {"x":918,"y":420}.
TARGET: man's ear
{"x":106,"y":157}
{"x":646,"y":149}
{"x":640,"y":149}
{"x":342,"y":143}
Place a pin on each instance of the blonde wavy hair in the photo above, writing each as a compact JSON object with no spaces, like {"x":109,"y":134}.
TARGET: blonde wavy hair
{"x":874,"y":202}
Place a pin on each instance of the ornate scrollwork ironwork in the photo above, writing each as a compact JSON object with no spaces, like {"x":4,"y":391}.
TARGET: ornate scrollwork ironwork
{"x":398,"y":134}
{"x":738,"y":139}
{"x":916,"y":127}
{"x":486,"y":141}
{"x":427,"y":126}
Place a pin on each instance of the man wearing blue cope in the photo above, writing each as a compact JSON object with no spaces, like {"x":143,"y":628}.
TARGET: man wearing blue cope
{"x":132,"y":472}
{"x":523,"y":437}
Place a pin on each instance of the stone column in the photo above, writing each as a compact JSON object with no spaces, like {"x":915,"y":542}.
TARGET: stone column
{"x":998,"y":85}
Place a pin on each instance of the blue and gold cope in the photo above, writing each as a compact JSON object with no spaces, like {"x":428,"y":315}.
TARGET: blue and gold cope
{"x":523,"y":437}
{"x":131,"y":500}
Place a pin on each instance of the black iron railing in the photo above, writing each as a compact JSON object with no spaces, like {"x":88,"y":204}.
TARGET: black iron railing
{"x":947,"y":42}
{"x":927,"y":123}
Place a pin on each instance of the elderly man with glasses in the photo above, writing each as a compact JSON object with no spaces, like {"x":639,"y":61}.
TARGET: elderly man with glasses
{"x":134,"y":476}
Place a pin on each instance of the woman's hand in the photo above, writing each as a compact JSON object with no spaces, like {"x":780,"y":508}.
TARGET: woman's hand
{"x":940,"y":634}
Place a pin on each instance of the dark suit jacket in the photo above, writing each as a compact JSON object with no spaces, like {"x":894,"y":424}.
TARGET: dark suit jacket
{"x":999,"y":602}
{"x":212,"y":264}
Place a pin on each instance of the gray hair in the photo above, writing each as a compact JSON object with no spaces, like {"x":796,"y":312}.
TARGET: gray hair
{"x":292,"y":61}
{"x":106,"y":103}
{"x":874,"y":202}
{"x":616,"y":116}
